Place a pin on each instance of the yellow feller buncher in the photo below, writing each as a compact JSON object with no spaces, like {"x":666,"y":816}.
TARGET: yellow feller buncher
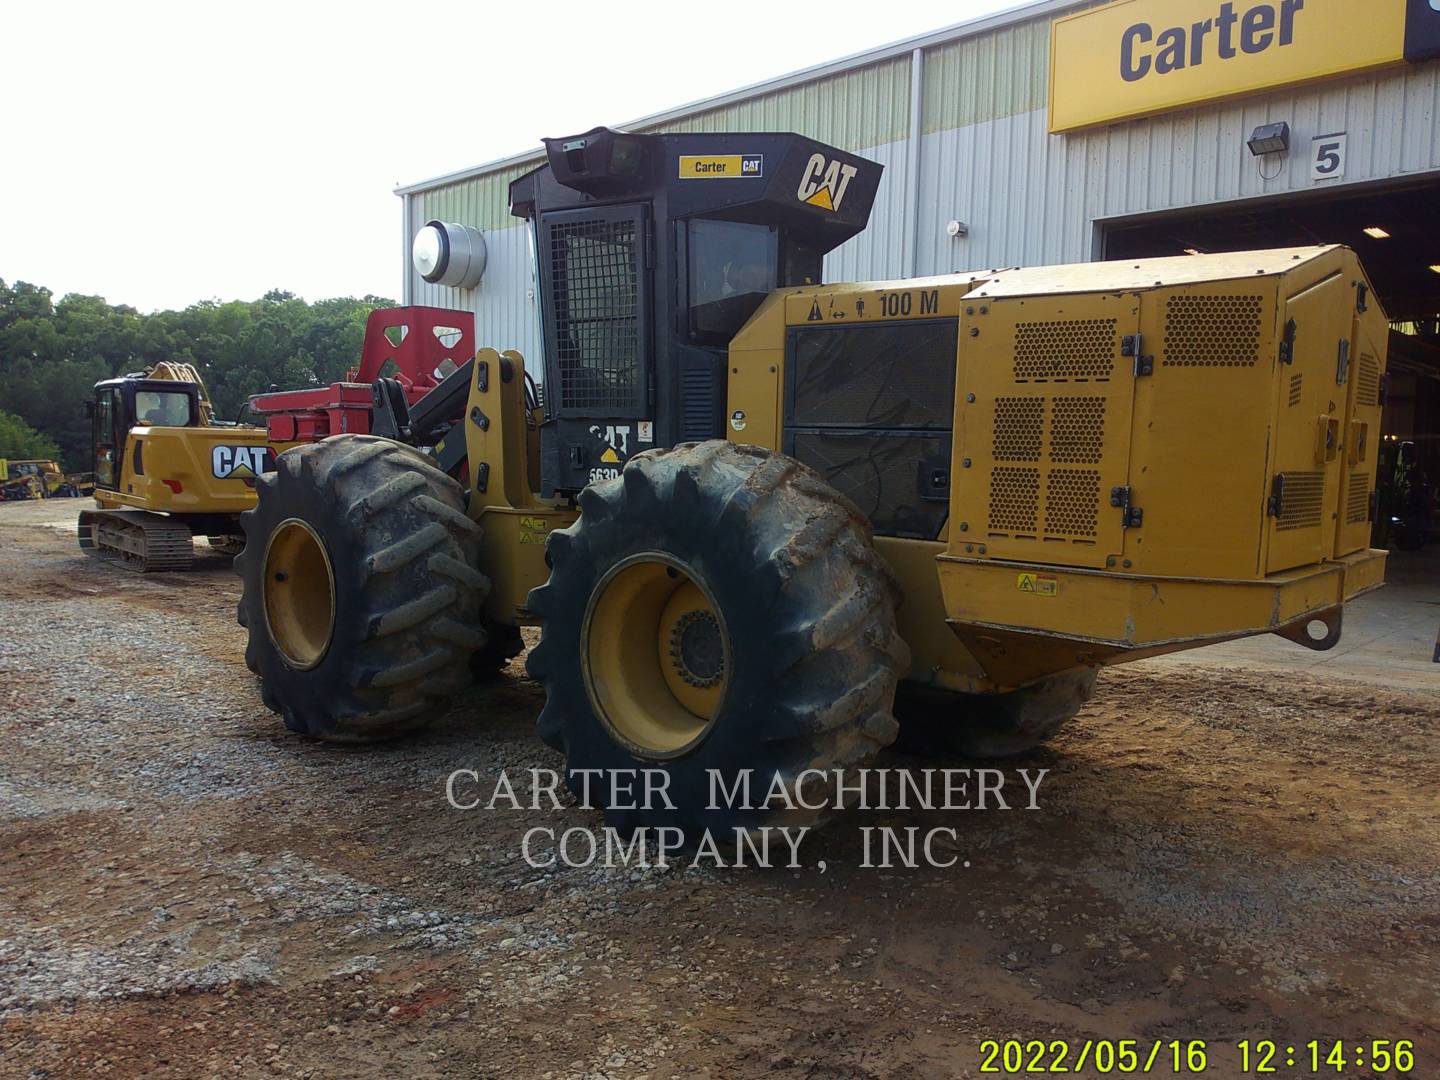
{"x":753,"y":504}
{"x":166,"y":469}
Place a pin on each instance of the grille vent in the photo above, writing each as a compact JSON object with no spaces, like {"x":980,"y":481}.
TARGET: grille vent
{"x":1357,"y":499}
{"x":1367,"y":382}
{"x":1014,"y":496}
{"x":1071,"y":497}
{"x":1212,"y":331}
{"x":1297,"y":382}
{"x":1077,"y":430}
{"x":1304,"y":500}
{"x":1018,"y":425}
{"x":1065,"y":349}
{"x":1072,"y":500}
{"x":595,"y":293}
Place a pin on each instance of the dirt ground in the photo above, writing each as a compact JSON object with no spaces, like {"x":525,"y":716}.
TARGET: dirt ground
{"x":186,"y":890}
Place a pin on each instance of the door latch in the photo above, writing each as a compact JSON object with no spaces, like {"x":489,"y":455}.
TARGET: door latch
{"x":1287,"y":343}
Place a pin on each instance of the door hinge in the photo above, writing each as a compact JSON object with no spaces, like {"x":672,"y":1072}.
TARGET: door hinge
{"x":1132,"y":345}
{"x":1287,"y":343}
{"x":1342,"y":364}
{"x":482,"y":477}
{"x":1131,"y":516}
{"x":1383,"y":394}
{"x":1362,"y":294}
{"x":1275,"y":505}
{"x":482,"y":377}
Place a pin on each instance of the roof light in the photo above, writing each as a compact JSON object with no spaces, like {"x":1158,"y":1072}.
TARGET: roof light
{"x":1193,"y":251}
{"x":1436,"y":268}
{"x":1377,"y":233}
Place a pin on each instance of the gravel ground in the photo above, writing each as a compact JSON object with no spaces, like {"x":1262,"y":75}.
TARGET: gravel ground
{"x":186,"y":890}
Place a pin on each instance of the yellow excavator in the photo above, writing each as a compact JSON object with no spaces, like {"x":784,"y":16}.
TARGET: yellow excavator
{"x":166,"y":470}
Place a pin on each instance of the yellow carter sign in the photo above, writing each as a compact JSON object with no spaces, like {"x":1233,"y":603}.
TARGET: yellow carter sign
{"x":1139,"y":57}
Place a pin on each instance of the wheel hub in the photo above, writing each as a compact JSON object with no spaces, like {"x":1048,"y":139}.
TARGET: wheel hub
{"x":299,"y":594}
{"x":656,"y":656}
{"x":697,"y":651}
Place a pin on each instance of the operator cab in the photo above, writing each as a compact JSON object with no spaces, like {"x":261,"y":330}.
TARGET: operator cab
{"x":652,"y":251}
{"x":128,"y":402}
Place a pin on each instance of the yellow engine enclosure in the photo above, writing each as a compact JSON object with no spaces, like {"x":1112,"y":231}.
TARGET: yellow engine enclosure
{"x":1148,"y":456}
{"x":185,"y":457}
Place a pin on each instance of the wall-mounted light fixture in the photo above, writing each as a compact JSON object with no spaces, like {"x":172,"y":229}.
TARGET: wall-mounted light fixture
{"x":956,"y":228}
{"x":1269,"y":139}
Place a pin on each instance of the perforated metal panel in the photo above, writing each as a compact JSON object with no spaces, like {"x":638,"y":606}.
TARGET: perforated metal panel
{"x":1307,"y":465}
{"x":1302,"y":503}
{"x":1077,"y":432}
{"x":1357,"y":499}
{"x":1014,"y":500}
{"x":593,"y":263}
{"x":1212,"y":331}
{"x":1367,"y":380}
{"x":1065,"y":349}
{"x":1072,"y":502}
{"x":1362,"y":434}
{"x":1019,"y":428}
{"x":1049,"y":436}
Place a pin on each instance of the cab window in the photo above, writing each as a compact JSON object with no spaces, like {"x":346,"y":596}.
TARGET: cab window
{"x":162,"y":408}
{"x":731,"y":269}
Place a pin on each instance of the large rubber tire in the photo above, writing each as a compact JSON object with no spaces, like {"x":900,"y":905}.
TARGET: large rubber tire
{"x":990,"y":725}
{"x":407,"y":595}
{"x":808,"y":608}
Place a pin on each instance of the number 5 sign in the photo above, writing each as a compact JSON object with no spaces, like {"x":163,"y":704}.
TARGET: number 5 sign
{"x":1327,"y":157}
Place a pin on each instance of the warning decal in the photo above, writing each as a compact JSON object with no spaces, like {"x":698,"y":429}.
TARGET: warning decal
{"x":1038,"y":584}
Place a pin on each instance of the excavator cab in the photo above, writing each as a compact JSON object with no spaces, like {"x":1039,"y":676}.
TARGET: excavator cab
{"x":125,"y":403}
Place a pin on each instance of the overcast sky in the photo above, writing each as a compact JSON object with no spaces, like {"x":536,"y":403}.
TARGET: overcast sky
{"x":159,"y":154}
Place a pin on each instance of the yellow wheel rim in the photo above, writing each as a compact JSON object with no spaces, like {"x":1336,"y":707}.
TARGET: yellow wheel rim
{"x":299,"y":594}
{"x":656,"y":656}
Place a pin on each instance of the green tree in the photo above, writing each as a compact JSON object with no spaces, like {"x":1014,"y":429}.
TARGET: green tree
{"x":52,"y":352}
{"x":19,"y":440}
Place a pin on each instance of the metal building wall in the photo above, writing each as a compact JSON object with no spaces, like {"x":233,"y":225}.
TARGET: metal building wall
{"x":1034,"y":198}
{"x":987,"y":159}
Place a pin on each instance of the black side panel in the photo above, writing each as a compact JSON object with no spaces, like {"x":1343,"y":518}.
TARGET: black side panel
{"x":702,"y":395}
{"x":899,"y":479}
{"x":881,"y":375}
{"x":870,"y":406}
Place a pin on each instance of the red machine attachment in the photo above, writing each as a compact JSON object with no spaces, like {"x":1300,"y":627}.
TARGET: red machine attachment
{"x":416,"y":346}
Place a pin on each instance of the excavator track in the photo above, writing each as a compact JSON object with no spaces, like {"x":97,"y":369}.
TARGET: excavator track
{"x":136,"y":539}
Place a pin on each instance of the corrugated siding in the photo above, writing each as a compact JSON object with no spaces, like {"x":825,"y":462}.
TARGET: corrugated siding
{"x":987,"y":159}
{"x":503,"y":302}
{"x":1034,"y":198}
{"x":865,"y":107}
{"x":882,"y":250}
{"x":482,"y":201}
{"x":987,"y":77}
